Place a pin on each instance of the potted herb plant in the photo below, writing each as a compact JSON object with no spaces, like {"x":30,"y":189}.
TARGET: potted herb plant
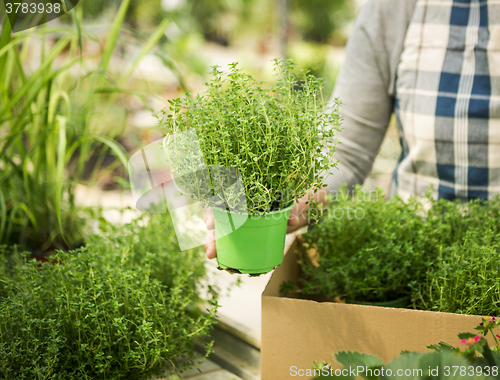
{"x":280,"y":139}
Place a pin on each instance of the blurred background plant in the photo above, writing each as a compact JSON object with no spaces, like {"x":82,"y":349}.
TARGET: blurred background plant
{"x":313,"y":33}
{"x":60,"y":116}
{"x":321,"y":21}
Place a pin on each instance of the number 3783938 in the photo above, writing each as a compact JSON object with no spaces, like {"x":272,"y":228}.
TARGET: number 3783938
{"x":39,"y":7}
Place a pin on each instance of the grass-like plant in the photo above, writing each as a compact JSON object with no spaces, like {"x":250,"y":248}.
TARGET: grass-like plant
{"x":465,"y":273}
{"x":52,"y":122}
{"x":120,"y":308}
{"x":281,"y":137}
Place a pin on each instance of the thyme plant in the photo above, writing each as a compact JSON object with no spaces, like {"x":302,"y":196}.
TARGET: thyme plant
{"x":445,"y":256}
{"x":281,"y":138}
{"x":369,"y":249}
{"x":120,"y":308}
{"x":467,"y":279}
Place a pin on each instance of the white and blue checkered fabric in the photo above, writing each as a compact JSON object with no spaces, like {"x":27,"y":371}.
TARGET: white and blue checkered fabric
{"x":448,"y":100}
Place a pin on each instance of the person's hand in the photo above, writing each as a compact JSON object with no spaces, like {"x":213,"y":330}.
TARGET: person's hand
{"x":208,"y":218}
{"x":298,"y":214}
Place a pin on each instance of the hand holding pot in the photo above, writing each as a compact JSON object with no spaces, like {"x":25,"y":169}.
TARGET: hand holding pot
{"x":298,"y":216}
{"x":297,"y":219}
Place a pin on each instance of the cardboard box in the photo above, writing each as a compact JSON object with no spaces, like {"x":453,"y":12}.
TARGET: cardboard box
{"x":296,"y":332}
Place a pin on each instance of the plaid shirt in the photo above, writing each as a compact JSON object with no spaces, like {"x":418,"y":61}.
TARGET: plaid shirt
{"x":448,"y":100}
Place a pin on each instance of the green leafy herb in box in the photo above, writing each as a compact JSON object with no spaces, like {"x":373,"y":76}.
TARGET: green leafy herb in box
{"x":466,"y":277}
{"x":369,"y":249}
{"x":444,"y":255}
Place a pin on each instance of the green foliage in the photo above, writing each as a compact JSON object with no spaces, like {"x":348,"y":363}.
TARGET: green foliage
{"x":369,"y":249}
{"x":145,"y":13}
{"x":355,"y":359}
{"x":116,"y":309}
{"x":226,"y":21}
{"x":318,"y":20}
{"x":445,"y":255}
{"x":280,"y":138}
{"x":52,"y":123}
{"x":465,"y":275}
{"x":477,"y":361}
{"x":94,"y":9}
{"x":209,"y":17}
{"x":317,"y":58}
{"x":466,"y":280}
{"x":477,"y":353}
{"x":416,"y":365}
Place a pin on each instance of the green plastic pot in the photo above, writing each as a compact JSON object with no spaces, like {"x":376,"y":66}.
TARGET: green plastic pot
{"x":254,"y":248}
{"x":398,"y":303}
